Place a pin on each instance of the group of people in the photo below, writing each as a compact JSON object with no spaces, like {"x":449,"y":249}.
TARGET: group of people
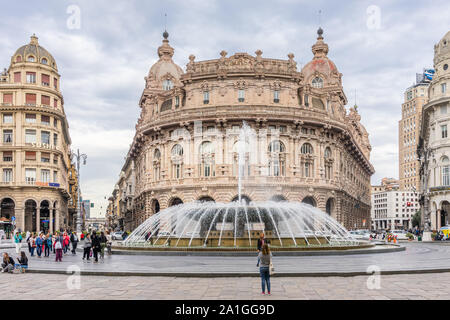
{"x":96,"y":244}
{"x":8,"y":264}
{"x":57,"y":243}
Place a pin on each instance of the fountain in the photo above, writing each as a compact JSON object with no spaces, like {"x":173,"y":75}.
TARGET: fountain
{"x":237,"y":225}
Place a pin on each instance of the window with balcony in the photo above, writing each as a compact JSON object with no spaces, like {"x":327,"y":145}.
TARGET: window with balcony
{"x":45,"y":120}
{"x":7,"y":99}
{"x":7,"y":175}
{"x":45,"y":157}
{"x":45,"y":80}
{"x":7,"y":136}
{"x":55,"y":176}
{"x":31,"y":77}
{"x":7,"y":156}
{"x":241,"y":95}
{"x":45,"y":137}
{"x":30,"y":155}
{"x":45,"y":100}
{"x":45,"y":175}
{"x":30,"y":136}
{"x":30,"y":99}
{"x":7,"y":118}
{"x":30,"y":118}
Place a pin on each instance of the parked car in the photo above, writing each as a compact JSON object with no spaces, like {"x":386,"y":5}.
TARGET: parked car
{"x":361,"y":234}
{"x":118,"y":235}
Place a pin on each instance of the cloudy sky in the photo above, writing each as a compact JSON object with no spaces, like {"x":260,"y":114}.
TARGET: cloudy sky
{"x":104,"y":50}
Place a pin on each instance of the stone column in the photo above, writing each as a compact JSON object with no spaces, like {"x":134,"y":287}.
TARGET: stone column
{"x":57,"y":221}
{"x":38,"y":219}
{"x":51,"y":221}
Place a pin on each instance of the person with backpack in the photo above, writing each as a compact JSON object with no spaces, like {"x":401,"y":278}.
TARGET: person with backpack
{"x":59,"y":250}
{"x":265,"y":261}
{"x":74,"y":241}
{"x":39,"y":242}
{"x":87,"y":247}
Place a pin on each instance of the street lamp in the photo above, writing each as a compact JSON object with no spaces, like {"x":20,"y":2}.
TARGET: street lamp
{"x":79,"y":158}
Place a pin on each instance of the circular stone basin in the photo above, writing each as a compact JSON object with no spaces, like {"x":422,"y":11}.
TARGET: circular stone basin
{"x":211,"y":226}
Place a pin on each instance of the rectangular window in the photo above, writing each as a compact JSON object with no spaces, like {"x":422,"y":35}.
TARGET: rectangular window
{"x":17,"y":77}
{"x":443,"y":87}
{"x":55,"y":103}
{"x":276,"y":96}
{"x":55,"y":176}
{"x":30,"y":118}
{"x":7,"y":156}
{"x":55,"y":159}
{"x":7,"y":175}
{"x":283,"y":129}
{"x":45,"y":120}
{"x":446,"y":176}
{"x":444,"y":131}
{"x":55,"y":83}
{"x":55,"y":123}
{"x":443,"y":109}
{"x":306,"y":100}
{"x":55,"y":139}
{"x":30,"y":99}
{"x":177,"y":102}
{"x":31,"y":77}
{"x":7,"y":118}
{"x":205,"y":97}
{"x":30,"y":136}
{"x":45,"y":100}
{"x":7,"y":136}
{"x":45,"y":80}
{"x":45,"y":137}
{"x":45,"y":157}
{"x":7,"y":99}
{"x":30,"y":175}
{"x":241,"y":95}
{"x":30,"y":155}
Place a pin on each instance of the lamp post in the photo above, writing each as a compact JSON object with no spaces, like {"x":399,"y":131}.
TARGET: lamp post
{"x":426,"y":153}
{"x":79,"y":157}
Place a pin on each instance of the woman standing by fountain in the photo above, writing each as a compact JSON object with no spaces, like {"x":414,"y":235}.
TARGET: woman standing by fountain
{"x":265,"y":259}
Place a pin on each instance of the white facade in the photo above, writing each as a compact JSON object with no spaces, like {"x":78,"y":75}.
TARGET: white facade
{"x":393,"y":209}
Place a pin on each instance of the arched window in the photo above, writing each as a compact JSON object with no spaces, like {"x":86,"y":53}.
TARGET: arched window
{"x":237,"y":147}
{"x":327,"y":153}
{"x":206,"y":166}
{"x":167,"y":84}
{"x":277,"y":159}
{"x":177,"y":161}
{"x":307,"y":148}
{"x":31,"y":59}
{"x":445,"y":172}
{"x":19,"y":59}
{"x":44,"y":61}
{"x":317,"y":82}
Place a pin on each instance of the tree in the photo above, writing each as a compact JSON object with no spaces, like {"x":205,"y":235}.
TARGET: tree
{"x":416,"y":219}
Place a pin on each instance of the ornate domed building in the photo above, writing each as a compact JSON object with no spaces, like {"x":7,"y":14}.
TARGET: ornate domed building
{"x":35,"y":143}
{"x":302,"y":145}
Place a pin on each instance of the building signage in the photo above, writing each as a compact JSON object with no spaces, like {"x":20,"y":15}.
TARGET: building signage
{"x":43,"y":145}
{"x":47,"y":184}
{"x":444,"y":188}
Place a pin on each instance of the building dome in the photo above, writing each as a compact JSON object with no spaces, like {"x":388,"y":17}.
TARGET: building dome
{"x":33,"y":52}
{"x":164,"y":68}
{"x":321,"y":66}
{"x":442,"y":52}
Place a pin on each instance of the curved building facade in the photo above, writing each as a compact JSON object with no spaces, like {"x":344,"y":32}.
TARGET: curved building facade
{"x":434,"y":147}
{"x":35,"y":142}
{"x":301,"y":143}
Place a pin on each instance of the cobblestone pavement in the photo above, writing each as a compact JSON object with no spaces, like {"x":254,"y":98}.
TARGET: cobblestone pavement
{"x":25,"y":286}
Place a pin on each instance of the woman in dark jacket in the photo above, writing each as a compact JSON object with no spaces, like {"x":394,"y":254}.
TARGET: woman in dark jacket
{"x":96,"y":246}
{"x":7,"y":263}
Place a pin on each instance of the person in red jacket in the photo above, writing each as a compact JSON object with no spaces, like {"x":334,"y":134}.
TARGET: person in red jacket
{"x":66,"y":240}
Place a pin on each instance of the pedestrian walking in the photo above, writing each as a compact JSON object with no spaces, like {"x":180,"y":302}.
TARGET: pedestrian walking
{"x":96,"y":245}
{"x":48,"y":245}
{"x":33,"y":244}
{"x":87,"y":247}
{"x":59,"y":250}
{"x":108,"y":242}
{"x":103,"y":242}
{"x":74,"y":241}
{"x":39,"y":242}
{"x":66,"y":242}
{"x":265,"y":260}
{"x":18,"y":241}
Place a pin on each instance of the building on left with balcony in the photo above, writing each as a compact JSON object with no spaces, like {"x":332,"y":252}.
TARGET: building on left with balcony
{"x":35,"y":143}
